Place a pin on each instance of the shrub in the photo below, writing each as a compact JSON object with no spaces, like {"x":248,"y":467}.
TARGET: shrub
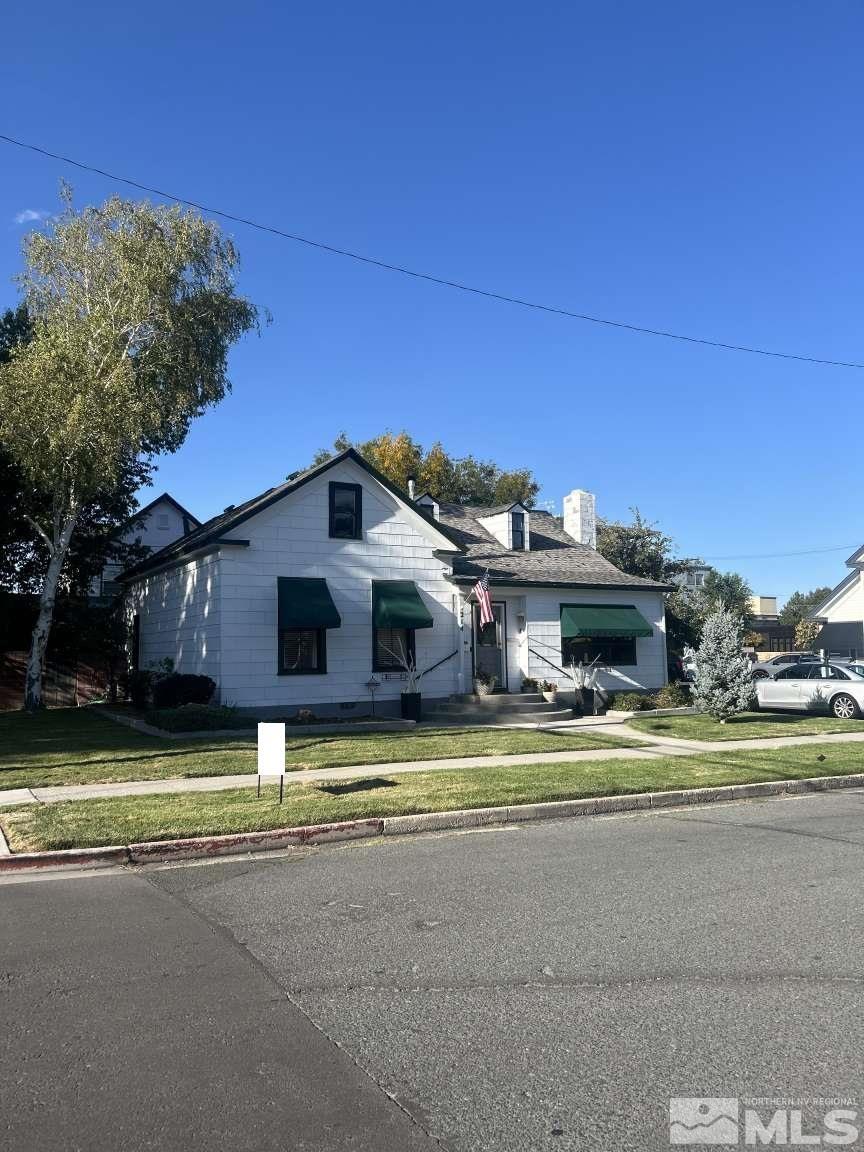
{"x":723,"y":685}
{"x":631,"y":702}
{"x":529,"y":684}
{"x":180,"y":688}
{"x":198,"y":718}
{"x":139,"y":686}
{"x":672,"y":696}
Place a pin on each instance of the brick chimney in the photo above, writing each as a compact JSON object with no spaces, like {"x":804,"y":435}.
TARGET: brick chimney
{"x":580,"y":517}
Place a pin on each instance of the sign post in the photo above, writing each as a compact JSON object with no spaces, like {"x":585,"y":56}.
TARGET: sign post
{"x":271,"y":754}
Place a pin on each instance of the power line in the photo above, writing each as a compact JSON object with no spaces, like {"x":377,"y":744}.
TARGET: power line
{"x":779,"y":555}
{"x":440,"y":280}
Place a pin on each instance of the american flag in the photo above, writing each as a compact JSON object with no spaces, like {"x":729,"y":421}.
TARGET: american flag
{"x":481,"y":589}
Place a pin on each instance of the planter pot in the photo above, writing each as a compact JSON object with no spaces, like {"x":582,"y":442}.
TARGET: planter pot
{"x":588,"y":701}
{"x":550,"y":697}
{"x":481,"y":688}
{"x":411,"y":709}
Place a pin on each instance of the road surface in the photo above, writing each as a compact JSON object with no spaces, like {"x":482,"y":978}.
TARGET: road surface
{"x":540,"y":987}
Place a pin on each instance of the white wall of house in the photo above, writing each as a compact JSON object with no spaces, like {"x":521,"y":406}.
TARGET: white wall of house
{"x":162,"y":525}
{"x":544,"y":635}
{"x":845,"y":604}
{"x":291,"y":538}
{"x":179,"y":617}
{"x":843,"y":614}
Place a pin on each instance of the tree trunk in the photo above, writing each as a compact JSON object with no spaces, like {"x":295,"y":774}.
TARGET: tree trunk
{"x":42,"y":630}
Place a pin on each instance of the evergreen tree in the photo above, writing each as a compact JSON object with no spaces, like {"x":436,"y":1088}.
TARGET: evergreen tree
{"x":723,"y":685}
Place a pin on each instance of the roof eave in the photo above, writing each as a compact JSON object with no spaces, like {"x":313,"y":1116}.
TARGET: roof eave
{"x":518,"y":582}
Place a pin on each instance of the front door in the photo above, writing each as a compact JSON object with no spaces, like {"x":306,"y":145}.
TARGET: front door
{"x":489,"y":645}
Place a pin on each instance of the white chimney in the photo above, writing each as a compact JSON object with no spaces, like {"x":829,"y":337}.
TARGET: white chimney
{"x":580,"y":516}
{"x":411,"y":487}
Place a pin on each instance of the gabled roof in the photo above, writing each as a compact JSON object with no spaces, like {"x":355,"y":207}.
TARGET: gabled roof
{"x":553,"y":557}
{"x":215,"y":529}
{"x":856,"y":558}
{"x":484,"y":512}
{"x":165,"y":498}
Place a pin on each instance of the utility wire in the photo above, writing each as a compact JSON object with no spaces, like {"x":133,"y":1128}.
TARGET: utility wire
{"x":778,"y":555}
{"x":440,"y":280}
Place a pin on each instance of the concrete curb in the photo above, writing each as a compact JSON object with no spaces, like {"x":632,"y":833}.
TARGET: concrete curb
{"x":66,"y":858}
{"x":154,"y":851}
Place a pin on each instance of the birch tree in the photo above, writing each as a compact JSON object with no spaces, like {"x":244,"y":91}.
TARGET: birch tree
{"x":133,"y":309}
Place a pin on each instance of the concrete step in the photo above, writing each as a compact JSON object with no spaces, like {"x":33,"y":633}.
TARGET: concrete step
{"x":532,"y":706}
{"x":484,"y":716}
{"x":498,"y":698}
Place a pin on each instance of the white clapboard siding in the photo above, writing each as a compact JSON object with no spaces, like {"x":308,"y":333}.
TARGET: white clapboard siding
{"x":178,"y":612}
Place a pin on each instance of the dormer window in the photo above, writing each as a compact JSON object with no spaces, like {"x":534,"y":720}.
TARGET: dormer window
{"x":429,"y":504}
{"x":510,"y":524}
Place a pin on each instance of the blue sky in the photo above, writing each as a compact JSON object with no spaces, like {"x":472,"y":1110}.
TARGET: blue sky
{"x":684,"y":166}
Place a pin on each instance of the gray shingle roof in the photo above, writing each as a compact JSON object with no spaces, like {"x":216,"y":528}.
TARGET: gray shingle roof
{"x":553,"y":558}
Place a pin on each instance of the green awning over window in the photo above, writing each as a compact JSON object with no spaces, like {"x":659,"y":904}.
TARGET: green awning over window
{"x":590,"y":620}
{"x":397,"y":604}
{"x":306,"y":603}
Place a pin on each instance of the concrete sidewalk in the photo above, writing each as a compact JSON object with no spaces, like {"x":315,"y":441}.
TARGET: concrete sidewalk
{"x":653,"y":747}
{"x":56,"y":795}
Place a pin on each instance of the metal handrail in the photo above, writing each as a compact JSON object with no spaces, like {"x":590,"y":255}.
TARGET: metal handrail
{"x":426,"y":671}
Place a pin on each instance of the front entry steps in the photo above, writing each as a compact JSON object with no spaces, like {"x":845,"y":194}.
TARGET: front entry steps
{"x":499,"y":708}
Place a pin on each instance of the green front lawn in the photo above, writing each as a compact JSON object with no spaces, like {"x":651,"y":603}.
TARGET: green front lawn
{"x":748,"y":726}
{"x":80,"y":746}
{"x":124,"y":820}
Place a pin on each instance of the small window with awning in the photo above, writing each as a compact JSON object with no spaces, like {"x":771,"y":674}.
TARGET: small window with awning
{"x":603,"y":632}
{"x":306,"y":611}
{"x":397,"y":610}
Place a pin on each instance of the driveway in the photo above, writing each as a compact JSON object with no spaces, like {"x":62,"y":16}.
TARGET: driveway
{"x":543,"y":987}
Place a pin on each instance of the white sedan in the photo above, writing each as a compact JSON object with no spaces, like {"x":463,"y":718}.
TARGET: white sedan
{"x":814,"y":688}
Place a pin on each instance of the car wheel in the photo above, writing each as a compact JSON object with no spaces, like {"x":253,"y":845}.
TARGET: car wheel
{"x":760,"y":674}
{"x":845,"y":707}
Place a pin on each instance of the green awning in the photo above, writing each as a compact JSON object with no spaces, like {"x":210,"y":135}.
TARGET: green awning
{"x":590,"y":620}
{"x":306,"y":603}
{"x":397,"y":604}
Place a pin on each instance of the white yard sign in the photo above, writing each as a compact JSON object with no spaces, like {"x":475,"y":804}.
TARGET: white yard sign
{"x":271,"y":754}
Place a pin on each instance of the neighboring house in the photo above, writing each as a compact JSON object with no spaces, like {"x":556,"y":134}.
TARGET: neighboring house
{"x":692,"y":574}
{"x":154,"y":526}
{"x":842,"y":613}
{"x":765,"y":622}
{"x":312,"y":590}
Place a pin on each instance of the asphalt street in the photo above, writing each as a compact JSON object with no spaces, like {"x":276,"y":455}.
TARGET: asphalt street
{"x":540,"y":987}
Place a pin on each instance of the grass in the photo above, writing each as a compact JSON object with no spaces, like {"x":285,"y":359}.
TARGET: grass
{"x":91,"y":823}
{"x":81,"y":746}
{"x":748,"y":726}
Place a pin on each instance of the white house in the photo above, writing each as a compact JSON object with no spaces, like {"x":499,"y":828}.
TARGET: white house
{"x":842,"y":613}
{"x":305,"y":594}
{"x":154,"y":526}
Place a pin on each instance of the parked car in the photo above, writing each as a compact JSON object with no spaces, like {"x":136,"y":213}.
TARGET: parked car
{"x":770,"y":668}
{"x":812,"y":687}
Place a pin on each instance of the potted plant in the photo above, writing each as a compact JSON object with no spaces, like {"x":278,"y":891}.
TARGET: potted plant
{"x":411,"y":699}
{"x":484,"y":683}
{"x":549,"y":689}
{"x":585,"y":691}
{"x":529,"y":684}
